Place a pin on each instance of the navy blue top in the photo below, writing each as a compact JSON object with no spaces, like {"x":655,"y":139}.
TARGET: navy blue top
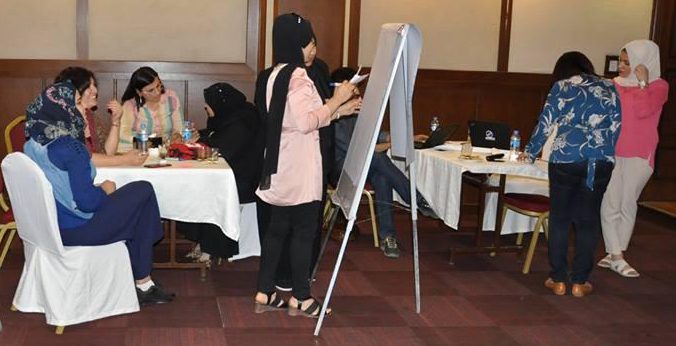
{"x":72,"y":156}
{"x":586,"y":109}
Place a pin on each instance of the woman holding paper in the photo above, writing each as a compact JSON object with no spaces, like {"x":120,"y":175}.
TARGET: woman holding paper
{"x":642,"y":93}
{"x":291,"y":179}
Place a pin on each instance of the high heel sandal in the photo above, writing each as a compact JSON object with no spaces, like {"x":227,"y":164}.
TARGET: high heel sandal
{"x":273,"y":303}
{"x":195,"y":253}
{"x":311,"y":311}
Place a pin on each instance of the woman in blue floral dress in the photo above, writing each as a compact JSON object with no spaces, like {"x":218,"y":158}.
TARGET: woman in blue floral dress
{"x":586,"y":110}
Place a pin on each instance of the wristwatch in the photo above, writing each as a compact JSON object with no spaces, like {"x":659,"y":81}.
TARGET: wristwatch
{"x":642,"y":84}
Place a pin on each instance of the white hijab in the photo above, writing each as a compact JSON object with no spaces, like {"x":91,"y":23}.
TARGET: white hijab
{"x":644,"y":52}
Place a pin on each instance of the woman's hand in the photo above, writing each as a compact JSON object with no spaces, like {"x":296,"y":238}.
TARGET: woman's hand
{"x":523,"y":157}
{"x":642,"y":73}
{"x":420,"y":138}
{"x":134,"y":158}
{"x":115,"y":109}
{"x":108,"y":187}
{"x":348,"y":108}
{"x":345,"y":91}
{"x":175,"y":138}
{"x":380,"y":147}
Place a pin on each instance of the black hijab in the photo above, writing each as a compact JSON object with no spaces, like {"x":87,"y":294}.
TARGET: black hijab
{"x":226,"y":102}
{"x":290,"y":33}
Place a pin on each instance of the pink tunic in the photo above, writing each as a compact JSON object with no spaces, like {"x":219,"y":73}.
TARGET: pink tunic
{"x":641,"y":109}
{"x":299,"y":170}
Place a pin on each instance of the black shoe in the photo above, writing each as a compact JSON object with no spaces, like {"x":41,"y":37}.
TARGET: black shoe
{"x":154,"y":295}
{"x":390,"y":247}
{"x":425,"y":209}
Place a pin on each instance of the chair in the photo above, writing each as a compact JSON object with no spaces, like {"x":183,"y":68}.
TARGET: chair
{"x":530,"y":205}
{"x":69,"y":284}
{"x":14,"y":134}
{"x":7,"y":224}
{"x":369,"y":194}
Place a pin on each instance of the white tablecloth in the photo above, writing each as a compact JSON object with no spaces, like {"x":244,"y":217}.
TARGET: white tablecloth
{"x":439,"y":179}
{"x":189,"y":191}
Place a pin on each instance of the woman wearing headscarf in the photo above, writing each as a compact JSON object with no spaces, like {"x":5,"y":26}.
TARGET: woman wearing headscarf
{"x":234,"y":126}
{"x":89,"y":214}
{"x":585,"y":110}
{"x":642,"y":94}
{"x":291,"y":179}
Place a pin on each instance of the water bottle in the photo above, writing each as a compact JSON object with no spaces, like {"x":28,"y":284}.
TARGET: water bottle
{"x":143,"y":140}
{"x":187,"y":131}
{"x":434,"y":124}
{"x":514,"y":145}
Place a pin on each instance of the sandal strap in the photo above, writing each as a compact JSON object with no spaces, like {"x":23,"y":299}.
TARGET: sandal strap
{"x":314,"y":309}
{"x":276,"y":301}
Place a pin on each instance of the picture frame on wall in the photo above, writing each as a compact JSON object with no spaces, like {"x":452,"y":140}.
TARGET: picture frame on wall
{"x":611,"y":68}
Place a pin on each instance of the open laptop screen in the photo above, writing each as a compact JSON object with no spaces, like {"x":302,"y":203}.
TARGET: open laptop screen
{"x":489,"y":135}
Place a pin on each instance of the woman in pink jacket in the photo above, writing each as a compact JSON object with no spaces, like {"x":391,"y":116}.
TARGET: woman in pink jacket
{"x":642,"y":95}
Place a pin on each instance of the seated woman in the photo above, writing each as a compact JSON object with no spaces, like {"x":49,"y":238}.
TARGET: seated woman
{"x":146,"y":103}
{"x":234,"y":127}
{"x":85,"y":83}
{"x":88,"y":214}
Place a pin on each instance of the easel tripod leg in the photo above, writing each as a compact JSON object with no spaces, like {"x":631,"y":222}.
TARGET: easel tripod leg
{"x":333,"y":217}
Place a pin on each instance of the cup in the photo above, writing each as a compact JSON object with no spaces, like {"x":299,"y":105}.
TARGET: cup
{"x":154,"y":152}
{"x":214,"y":155}
{"x":466,"y":150}
{"x":202,"y":153}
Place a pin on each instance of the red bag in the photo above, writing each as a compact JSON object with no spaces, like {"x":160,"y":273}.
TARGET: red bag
{"x":180,"y":150}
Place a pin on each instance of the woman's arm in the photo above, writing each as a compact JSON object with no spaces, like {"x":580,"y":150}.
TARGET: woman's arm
{"x":649,"y":101}
{"x":113,"y":138}
{"x":545,"y":124}
{"x":71,"y":156}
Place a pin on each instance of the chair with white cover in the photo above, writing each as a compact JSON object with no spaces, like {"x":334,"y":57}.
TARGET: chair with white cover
{"x":69,"y":284}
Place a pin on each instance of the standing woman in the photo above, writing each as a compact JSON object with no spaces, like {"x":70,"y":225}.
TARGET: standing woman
{"x":291,"y":180}
{"x":586,"y":110}
{"x":642,"y":93}
{"x":147,"y":103}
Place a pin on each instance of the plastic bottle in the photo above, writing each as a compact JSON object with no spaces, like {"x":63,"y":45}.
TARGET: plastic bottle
{"x":434,"y":124}
{"x":187,"y":131}
{"x":514,"y":146}
{"x":143,"y":140}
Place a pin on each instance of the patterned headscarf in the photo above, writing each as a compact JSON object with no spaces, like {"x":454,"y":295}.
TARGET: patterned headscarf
{"x":53,"y":114}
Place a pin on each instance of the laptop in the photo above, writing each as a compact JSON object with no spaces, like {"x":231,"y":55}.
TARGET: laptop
{"x":437,"y":137}
{"x":489,"y":135}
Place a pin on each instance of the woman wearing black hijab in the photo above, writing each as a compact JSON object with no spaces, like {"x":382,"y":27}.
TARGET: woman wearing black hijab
{"x":291,"y":178}
{"x":234,"y":127}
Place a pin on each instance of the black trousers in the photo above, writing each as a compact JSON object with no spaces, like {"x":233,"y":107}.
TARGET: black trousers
{"x":299,"y":223}
{"x":573,"y":203}
{"x":211,"y":239}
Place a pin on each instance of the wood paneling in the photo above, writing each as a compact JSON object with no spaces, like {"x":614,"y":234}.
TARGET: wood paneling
{"x":328,"y":22}
{"x":22,"y":80}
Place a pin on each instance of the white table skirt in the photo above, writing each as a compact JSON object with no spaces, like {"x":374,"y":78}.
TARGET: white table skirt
{"x":439,"y":180}
{"x":190,"y":191}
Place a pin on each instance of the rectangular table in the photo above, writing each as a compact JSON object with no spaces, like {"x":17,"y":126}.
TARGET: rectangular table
{"x":189,"y":191}
{"x":440,"y":176}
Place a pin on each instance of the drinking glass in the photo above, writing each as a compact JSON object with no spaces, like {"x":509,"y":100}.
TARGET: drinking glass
{"x":466,"y":150}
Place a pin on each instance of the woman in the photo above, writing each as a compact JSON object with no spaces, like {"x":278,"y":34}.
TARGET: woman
{"x":643,"y":94}
{"x":146,"y":103}
{"x":586,"y":110}
{"x":85,"y":83}
{"x":291,"y":180}
{"x":234,"y":126}
{"x":88,"y":214}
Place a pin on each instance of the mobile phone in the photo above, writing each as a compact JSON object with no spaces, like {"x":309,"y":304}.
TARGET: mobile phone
{"x":157,"y":165}
{"x":495,"y":157}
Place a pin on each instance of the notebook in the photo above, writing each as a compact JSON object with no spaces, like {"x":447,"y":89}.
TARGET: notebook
{"x":437,"y":137}
{"x":489,"y":135}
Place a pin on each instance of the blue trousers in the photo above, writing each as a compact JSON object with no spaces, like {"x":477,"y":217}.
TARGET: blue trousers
{"x":130,"y":214}
{"x":573,"y":203}
{"x":384,"y":177}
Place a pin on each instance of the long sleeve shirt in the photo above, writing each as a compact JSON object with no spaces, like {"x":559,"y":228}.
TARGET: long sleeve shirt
{"x":641,"y":110}
{"x":72,"y":157}
{"x":586,"y":109}
{"x":299,"y":170}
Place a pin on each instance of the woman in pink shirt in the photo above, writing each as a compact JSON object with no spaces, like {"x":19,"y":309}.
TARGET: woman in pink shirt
{"x":642,"y":95}
{"x":291,"y":180}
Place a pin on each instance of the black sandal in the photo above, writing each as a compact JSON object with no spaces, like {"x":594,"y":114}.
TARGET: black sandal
{"x":311,"y":311}
{"x":272,"y":304}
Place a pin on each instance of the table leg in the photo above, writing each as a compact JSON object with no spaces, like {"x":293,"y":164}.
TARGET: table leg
{"x":172,"y":263}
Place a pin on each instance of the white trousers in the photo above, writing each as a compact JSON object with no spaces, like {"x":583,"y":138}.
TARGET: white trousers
{"x":618,"y":209}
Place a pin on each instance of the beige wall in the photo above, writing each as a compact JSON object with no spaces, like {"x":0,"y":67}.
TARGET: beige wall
{"x":457,"y":35}
{"x":151,"y":30}
{"x":168,"y":30}
{"x":542,"y":30}
{"x":37,"y":29}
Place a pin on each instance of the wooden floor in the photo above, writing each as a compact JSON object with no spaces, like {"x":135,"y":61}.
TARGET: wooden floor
{"x":478,"y":301}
